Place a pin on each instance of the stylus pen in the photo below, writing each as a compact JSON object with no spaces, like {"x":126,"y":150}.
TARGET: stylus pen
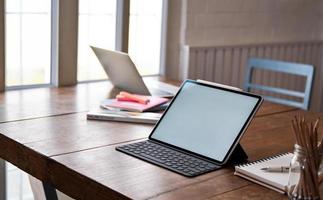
{"x":276,"y":169}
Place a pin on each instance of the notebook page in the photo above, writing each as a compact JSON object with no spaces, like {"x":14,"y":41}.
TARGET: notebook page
{"x":275,"y":179}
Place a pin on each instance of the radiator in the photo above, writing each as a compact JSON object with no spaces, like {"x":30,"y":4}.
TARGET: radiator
{"x":226,"y":65}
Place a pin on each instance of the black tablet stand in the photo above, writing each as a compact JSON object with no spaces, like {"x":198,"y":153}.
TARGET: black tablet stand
{"x":238,"y":156}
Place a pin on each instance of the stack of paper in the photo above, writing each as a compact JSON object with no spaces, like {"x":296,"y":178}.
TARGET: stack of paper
{"x":274,"y":180}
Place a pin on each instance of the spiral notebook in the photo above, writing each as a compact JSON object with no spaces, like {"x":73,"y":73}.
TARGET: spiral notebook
{"x":273,"y":180}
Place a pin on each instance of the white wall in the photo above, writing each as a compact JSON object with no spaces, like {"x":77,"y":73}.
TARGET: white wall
{"x":230,"y":22}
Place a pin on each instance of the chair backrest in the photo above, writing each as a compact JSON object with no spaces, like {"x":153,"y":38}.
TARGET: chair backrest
{"x":283,"y":67}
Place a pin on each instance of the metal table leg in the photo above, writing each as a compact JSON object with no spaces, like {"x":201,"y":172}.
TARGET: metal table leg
{"x":3,"y":180}
{"x":50,"y":192}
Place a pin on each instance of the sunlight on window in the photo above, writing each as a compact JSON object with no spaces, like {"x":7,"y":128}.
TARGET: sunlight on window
{"x":28,"y":37}
{"x":18,"y":186}
{"x":145,"y":35}
{"x":97,"y":27}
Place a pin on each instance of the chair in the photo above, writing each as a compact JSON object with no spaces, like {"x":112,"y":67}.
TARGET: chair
{"x":282,"y":67}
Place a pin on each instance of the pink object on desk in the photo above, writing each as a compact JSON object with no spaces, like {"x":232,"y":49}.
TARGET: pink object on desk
{"x":134,"y":106}
{"x":126,"y":96}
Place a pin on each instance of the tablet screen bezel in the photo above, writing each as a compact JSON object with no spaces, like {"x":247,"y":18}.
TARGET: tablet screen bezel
{"x":236,"y":140}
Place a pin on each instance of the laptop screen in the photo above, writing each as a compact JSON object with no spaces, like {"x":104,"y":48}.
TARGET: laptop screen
{"x":206,"y":120}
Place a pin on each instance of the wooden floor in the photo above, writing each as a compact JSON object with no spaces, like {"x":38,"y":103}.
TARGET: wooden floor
{"x":45,"y":133}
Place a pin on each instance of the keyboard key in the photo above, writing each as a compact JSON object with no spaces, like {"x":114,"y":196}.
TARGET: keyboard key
{"x":169,"y":158}
{"x":152,"y":158}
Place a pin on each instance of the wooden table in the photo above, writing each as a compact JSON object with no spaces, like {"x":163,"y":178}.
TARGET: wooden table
{"x":47,"y":135}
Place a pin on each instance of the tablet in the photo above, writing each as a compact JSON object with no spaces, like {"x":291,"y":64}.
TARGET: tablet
{"x":206,"y":120}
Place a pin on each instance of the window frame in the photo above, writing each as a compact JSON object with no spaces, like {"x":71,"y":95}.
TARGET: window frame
{"x":60,"y":66}
{"x":163,"y":39}
{"x":2,"y":49}
{"x":3,"y":86}
{"x":122,"y":25}
{"x":122,"y":35}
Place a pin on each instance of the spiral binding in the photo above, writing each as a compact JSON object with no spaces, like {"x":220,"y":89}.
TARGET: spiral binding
{"x":262,"y":160}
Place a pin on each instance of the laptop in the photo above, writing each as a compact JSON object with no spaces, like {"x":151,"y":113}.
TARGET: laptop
{"x":199,"y":130}
{"x":123,"y":73}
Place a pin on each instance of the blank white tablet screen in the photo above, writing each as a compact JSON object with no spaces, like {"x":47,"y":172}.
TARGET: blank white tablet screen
{"x":205,"y":120}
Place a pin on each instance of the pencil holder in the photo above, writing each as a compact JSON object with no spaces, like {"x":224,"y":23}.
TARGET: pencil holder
{"x":301,"y":183}
{"x":320,"y":171}
{"x":303,"y":180}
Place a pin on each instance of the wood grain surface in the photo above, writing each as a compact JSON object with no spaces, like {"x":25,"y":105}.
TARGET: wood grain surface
{"x":78,"y":156}
{"x":43,"y":102}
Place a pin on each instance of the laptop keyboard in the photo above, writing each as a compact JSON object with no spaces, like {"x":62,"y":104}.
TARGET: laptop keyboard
{"x":171,"y":159}
{"x":159,"y":92}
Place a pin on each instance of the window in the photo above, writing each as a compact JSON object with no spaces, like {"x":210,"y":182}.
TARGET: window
{"x":28,"y":38}
{"x":145,"y":30}
{"x":97,"y":27}
{"x":18,"y":186}
{"x":28,"y":42}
